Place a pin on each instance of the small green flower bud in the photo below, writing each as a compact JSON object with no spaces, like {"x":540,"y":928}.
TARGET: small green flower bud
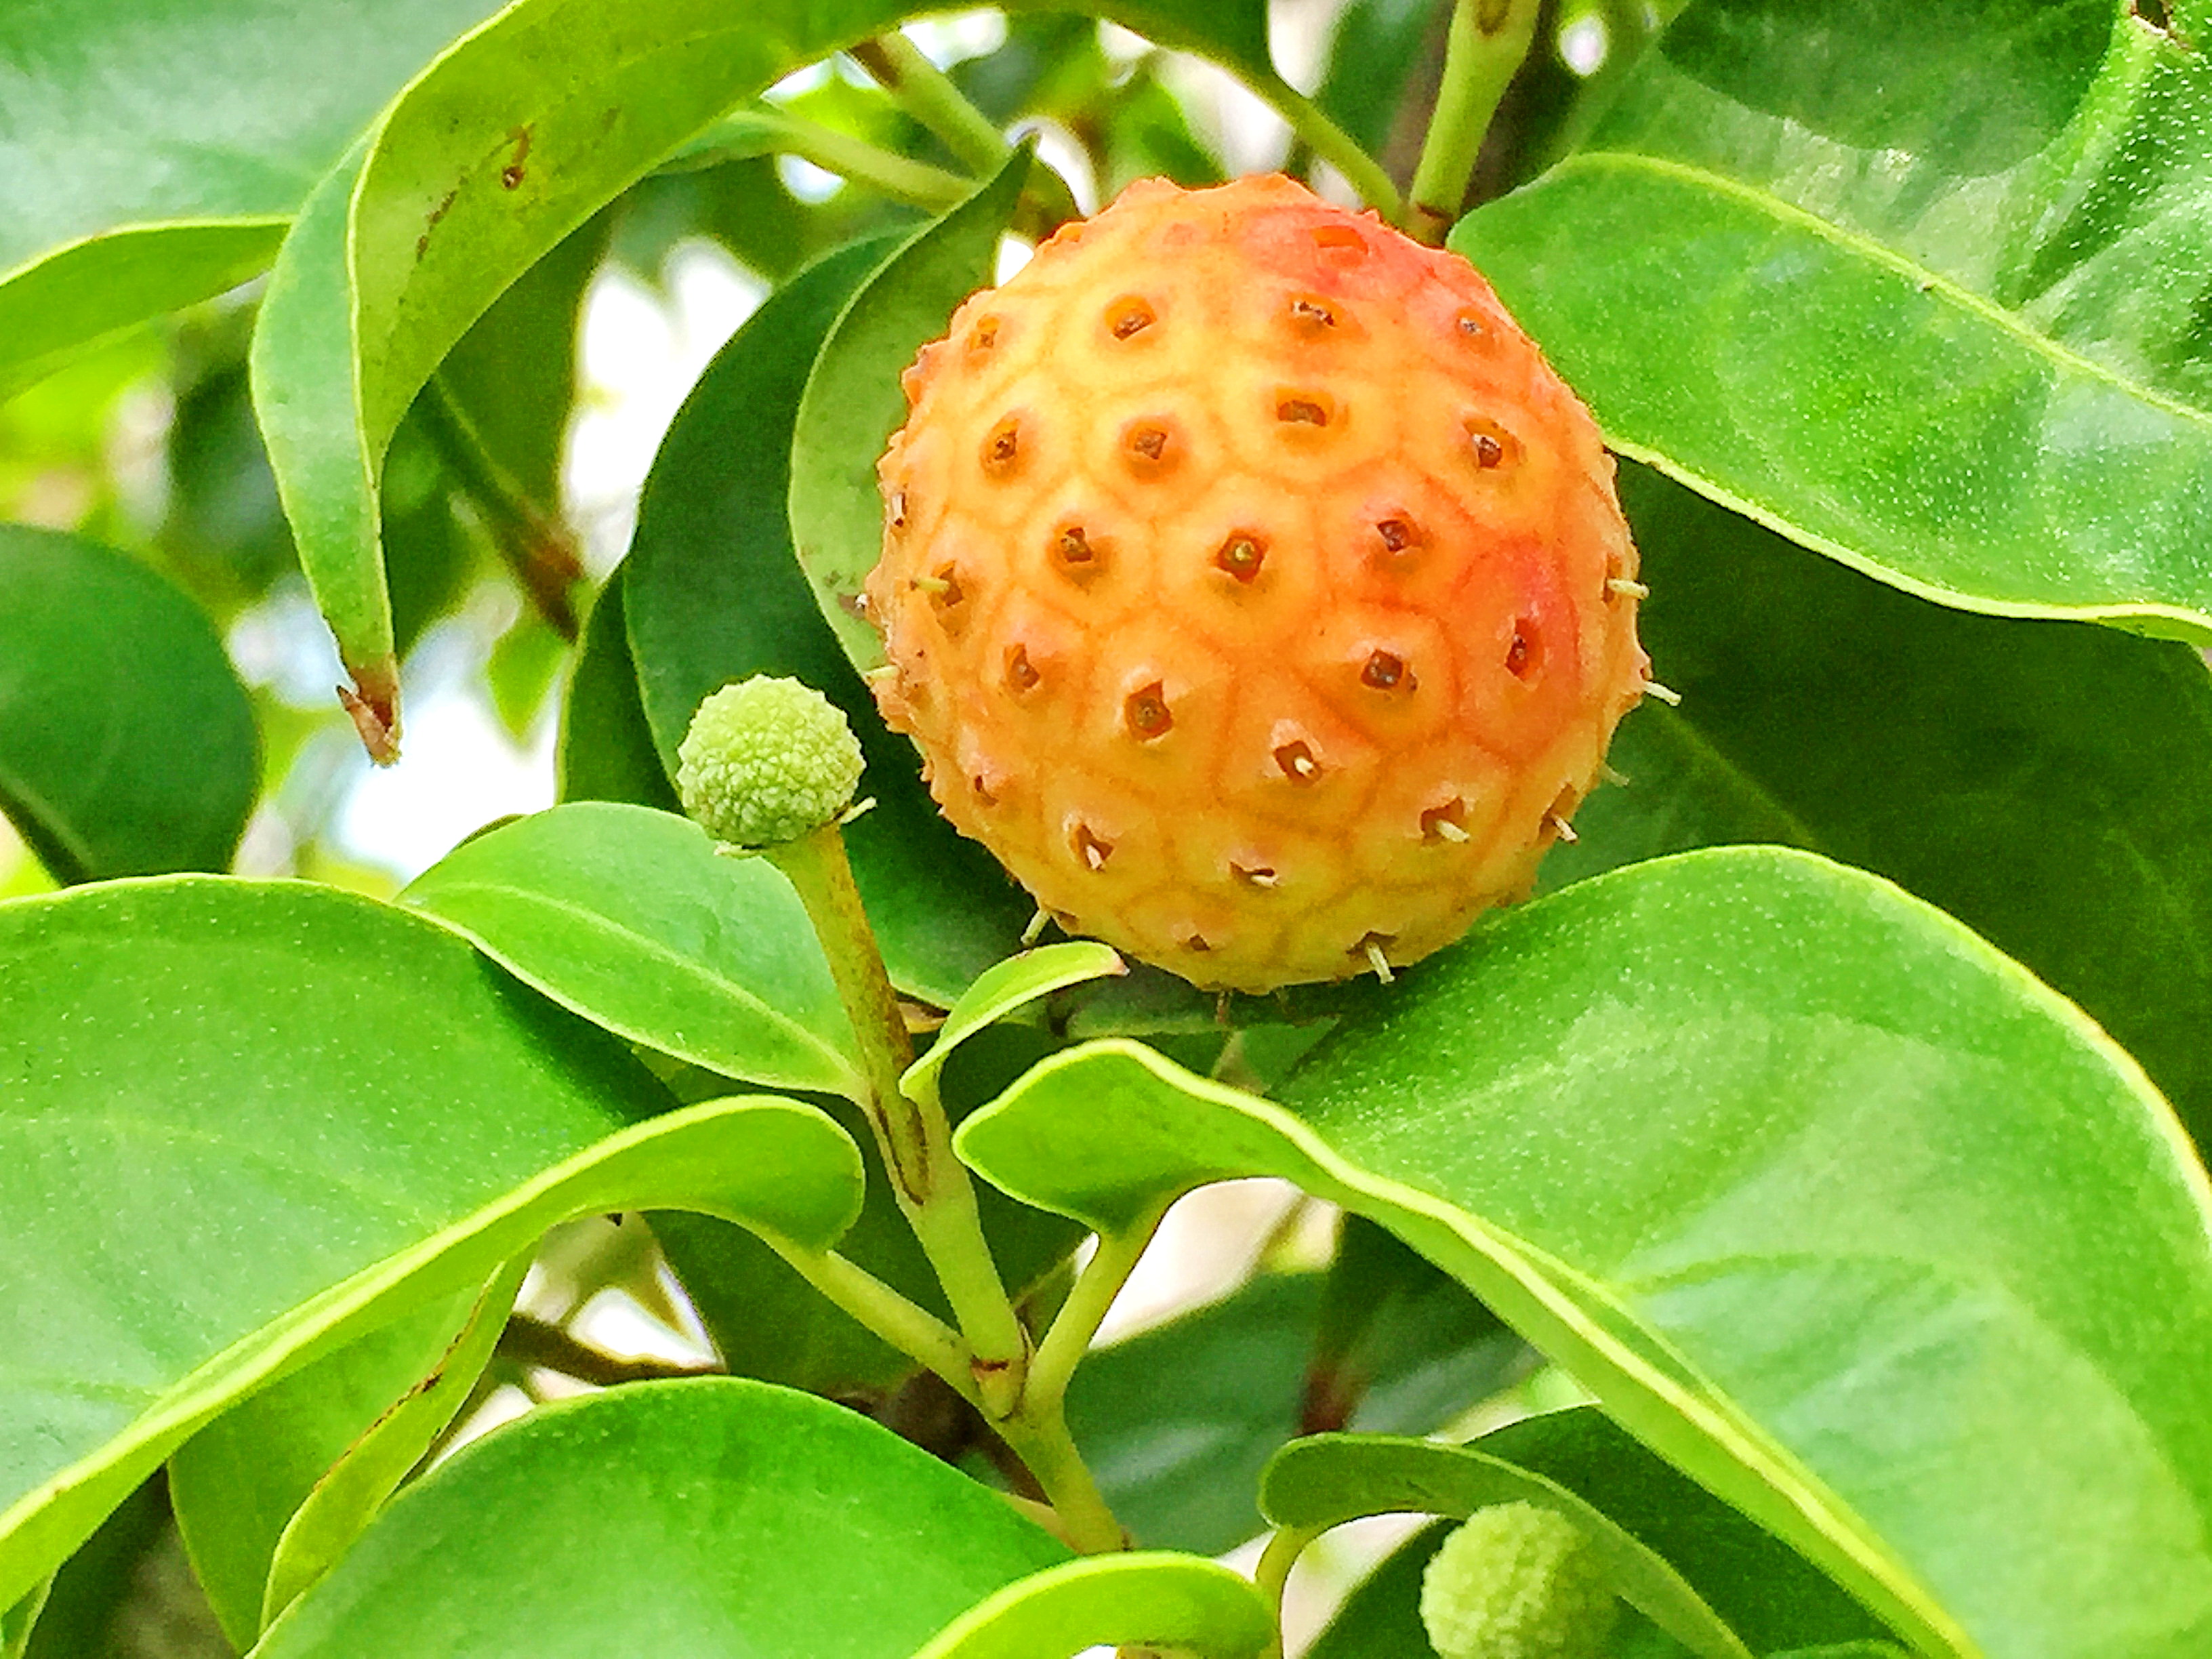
{"x":766,"y":761}
{"x":1517,"y":1581}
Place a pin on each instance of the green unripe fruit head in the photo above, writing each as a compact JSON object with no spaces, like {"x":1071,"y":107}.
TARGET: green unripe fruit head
{"x":766,"y":761}
{"x":1517,"y":1581}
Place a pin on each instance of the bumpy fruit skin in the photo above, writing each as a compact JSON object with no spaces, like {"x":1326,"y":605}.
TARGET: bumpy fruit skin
{"x":1252,"y":587}
{"x":1516,"y":1581}
{"x":765,"y":760}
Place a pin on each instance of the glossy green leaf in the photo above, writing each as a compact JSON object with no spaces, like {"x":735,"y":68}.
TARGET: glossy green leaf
{"x":630,"y":918}
{"x":188,"y":1051}
{"x":350,"y":1493}
{"x":713,"y":594}
{"x":1181,"y":1466}
{"x":1921,"y":288}
{"x":1316,"y":1484}
{"x":853,"y":401}
{"x":1004,"y":986}
{"x":1881,"y":1241}
{"x":1768,"y":1593}
{"x":1155,"y":1599}
{"x":151,"y":150}
{"x":605,"y":750}
{"x":127,"y":745}
{"x":2042,"y":781}
{"x":688,"y":1519}
{"x":236,"y":1483}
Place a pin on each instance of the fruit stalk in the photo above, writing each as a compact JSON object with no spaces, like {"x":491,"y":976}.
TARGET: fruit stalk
{"x":931,"y":1184}
{"x":1488,"y":41}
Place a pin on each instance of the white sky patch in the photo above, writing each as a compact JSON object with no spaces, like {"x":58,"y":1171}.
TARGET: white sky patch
{"x":1583,"y":42}
{"x":639,"y":357}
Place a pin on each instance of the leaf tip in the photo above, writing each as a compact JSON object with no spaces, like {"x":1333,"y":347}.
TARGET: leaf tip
{"x":373,"y":701}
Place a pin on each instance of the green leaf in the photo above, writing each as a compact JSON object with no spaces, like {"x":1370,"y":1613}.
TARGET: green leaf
{"x":1313,"y":1485}
{"x":1768,"y":1593}
{"x":689,"y":1520}
{"x":127,"y":745}
{"x":1005,"y":986}
{"x":853,"y":401}
{"x":237,"y":1482}
{"x":606,"y":750}
{"x":1922,"y":289}
{"x":349,"y":1494}
{"x":713,"y":594}
{"x":394,"y":1115}
{"x":1835,"y":1207}
{"x":486,"y":162}
{"x":1155,"y":1599}
{"x":156,"y":147}
{"x":628,"y":917}
{"x":2042,"y":781}
{"x":1181,"y":1467}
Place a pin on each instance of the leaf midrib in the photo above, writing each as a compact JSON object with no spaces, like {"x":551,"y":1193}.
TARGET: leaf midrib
{"x":1928,"y":280}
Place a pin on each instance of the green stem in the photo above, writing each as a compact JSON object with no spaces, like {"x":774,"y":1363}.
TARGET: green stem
{"x":1333,"y":145}
{"x":1048,"y":1451}
{"x":1284,"y":1548}
{"x":927,"y":94}
{"x":1077,"y":1323}
{"x":1488,"y":42}
{"x":906,"y":1327}
{"x":865,"y":163}
{"x":931,"y":1184}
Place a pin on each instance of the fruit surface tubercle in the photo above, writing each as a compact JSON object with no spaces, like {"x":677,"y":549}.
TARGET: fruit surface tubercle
{"x":1252,"y":587}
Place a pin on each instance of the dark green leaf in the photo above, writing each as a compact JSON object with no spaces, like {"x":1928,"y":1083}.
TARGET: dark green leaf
{"x":853,"y":401}
{"x":712,"y":594}
{"x":688,"y":1519}
{"x":391,"y":1114}
{"x":630,"y":918}
{"x":1146,"y":1601}
{"x":127,"y":745}
{"x":2042,"y":781}
{"x":1836,"y":1208}
{"x":606,"y":750}
{"x":1924,"y":288}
